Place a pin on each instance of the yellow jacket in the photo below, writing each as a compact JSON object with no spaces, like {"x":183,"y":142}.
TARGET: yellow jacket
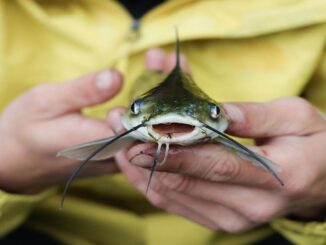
{"x":238,"y":50}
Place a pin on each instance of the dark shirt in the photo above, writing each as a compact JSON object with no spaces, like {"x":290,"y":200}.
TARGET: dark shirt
{"x":137,"y":8}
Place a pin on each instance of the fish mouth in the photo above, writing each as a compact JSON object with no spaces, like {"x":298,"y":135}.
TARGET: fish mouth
{"x":171,"y":130}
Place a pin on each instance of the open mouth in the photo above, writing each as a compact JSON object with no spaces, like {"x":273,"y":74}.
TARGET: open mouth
{"x":172,"y":129}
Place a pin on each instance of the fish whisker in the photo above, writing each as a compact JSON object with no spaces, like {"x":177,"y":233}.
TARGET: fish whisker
{"x":248,"y":151}
{"x":154,"y":165}
{"x":156,"y":162}
{"x":166,"y":153}
{"x":76,"y":171}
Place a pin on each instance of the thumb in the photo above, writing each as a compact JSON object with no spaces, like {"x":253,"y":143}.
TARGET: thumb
{"x":85,"y":91}
{"x":286,"y":116}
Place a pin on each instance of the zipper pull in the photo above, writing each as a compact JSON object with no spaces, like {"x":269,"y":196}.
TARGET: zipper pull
{"x":134,"y":33}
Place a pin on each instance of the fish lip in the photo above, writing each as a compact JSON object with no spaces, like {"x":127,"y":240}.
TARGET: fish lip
{"x":146,"y":133}
{"x":182,"y":139}
{"x":175,"y":118}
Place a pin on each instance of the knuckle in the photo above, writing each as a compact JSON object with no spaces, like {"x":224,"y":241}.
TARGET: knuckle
{"x":158,"y":188}
{"x":302,"y":112}
{"x":158,"y":200}
{"x":225,"y":168}
{"x":179,"y":183}
{"x":38,"y":96}
{"x":305,"y":109}
{"x":250,"y":118}
{"x":262,"y":213}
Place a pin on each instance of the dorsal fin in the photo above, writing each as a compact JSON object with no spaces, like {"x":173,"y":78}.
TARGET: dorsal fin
{"x":177,"y":49}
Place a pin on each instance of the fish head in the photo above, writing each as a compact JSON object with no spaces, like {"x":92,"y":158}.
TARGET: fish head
{"x":175,"y":115}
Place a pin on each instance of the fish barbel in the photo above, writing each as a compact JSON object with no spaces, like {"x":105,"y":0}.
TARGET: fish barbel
{"x":176,"y":111}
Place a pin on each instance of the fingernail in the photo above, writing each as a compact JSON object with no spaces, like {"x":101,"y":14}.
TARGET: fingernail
{"x":142,"y":160}
{"x":233,"y":112}
{"x":105,"y":79}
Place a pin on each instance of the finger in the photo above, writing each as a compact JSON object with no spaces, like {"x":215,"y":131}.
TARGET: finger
{"x":137,"y":177}
{"x":174,"y":207}
{"x":210,"y":162}
{"x":100,"y":168}
{"x":92,"y":168}
{"x":220,"y":216}
{"x":62,"y":169}
{"x":285,"y":116}
{"x":89,"y":90}
{"x":257,"y":205}
{"x":201,"y":211}
{"x":170,"y":61}
{"x":154,"y":59}
{"x":114,"y":119}
{"x":67,"y":131}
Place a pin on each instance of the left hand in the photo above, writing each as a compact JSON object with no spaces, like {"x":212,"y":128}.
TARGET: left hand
{"x":213,"y":187}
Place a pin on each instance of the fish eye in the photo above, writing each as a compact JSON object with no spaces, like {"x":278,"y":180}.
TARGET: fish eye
{"x":215,"y":111}
{"x":135,"y":107}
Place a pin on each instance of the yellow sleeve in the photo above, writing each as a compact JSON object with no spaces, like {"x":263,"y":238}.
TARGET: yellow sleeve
{"x":15,"y":208}
{"x":315,"y":91}
{"x":301,"y":233}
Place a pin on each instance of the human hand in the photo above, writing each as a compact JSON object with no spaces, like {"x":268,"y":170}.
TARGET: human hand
{"x":46,"y":119}
{"x":213,"y":187}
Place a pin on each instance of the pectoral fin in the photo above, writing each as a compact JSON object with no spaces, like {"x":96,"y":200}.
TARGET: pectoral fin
{"x":82,"y":151}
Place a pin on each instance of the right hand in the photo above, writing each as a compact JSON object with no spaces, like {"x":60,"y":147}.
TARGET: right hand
{"x":46,"y":119}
